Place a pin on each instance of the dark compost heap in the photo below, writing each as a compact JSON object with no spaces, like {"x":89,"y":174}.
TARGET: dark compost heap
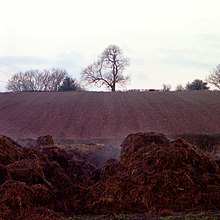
{"x":153,"y":174}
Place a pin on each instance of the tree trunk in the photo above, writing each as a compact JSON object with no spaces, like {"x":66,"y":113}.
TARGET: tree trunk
{"x":113,"y":87}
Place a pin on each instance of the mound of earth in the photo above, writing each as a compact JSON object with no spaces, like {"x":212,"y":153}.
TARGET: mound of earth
{"x":43,"y":182}
{"x":157,"y":175}
{"x":153,"y":174}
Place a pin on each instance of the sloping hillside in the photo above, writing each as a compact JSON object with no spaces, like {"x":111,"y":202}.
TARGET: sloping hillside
{"x":102,"y":114}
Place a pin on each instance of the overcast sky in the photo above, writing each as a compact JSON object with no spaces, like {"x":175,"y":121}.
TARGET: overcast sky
{"x":167,"y":41}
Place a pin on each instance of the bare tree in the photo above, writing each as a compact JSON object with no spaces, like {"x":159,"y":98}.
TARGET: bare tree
{"x":37,"y":80}
{"x":56,"y":77}
{"x":108,"y":69}
{"x":166,"y":87}
{"x":214,"y":77}
{"x":179,"y":87}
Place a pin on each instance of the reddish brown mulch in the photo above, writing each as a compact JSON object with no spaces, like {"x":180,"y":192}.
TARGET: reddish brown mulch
{"x":157,"y":175}
{"x":10,"y":151}
{"x":153,"y":174}
{"x":40,"y":182}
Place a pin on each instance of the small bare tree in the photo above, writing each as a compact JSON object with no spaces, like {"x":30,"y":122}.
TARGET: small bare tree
{"x":179,"y":87}
{"x":108,"y":69}
{"x":214,"y":77}
{"x":37,"y":80}
{"x":166,"y":87}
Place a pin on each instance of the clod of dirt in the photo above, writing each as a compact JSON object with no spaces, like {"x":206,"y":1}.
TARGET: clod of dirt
{"x":3,"y":174}
{"x":42,"y":196}
{"x":26,"y":170}
{"x":15,"y":197}
{"x":45,"y":140}
{"x":10,"y":151}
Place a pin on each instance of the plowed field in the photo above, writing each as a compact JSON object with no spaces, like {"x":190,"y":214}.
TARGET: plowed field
{"x":105,"y":114}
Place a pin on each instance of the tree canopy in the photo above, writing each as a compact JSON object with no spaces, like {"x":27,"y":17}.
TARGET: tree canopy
{"x":69,"y":84}
{"x":197,"y":84}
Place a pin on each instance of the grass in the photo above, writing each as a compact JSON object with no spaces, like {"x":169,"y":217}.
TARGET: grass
{"x":148,"y":216}
{"x":120,"y":216}
{"x":194,"y":216}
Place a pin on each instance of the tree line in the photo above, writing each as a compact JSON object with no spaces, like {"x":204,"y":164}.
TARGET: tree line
{"x":54,"y":79}
{"x":197,"y":84}
{"x":107,"y":70}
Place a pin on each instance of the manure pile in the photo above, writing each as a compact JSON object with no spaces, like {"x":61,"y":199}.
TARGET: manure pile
{"x":153,"y":174}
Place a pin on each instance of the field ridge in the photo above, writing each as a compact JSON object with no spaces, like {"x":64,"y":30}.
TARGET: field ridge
{"x":106,"y":114}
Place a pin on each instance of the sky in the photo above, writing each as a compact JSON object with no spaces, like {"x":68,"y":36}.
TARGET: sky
{"x":168,"y":42}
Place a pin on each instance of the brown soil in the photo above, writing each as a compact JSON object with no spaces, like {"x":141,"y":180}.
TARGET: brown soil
{"x":105,"y":114}
{"x":153,"y":174}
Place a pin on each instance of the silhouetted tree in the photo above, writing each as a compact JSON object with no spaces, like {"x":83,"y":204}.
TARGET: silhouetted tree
{"x":70,"y":84}
{"x":108,"y":69}
{"x":214,"y":77}
{"x":37,"y":80}
{"x":197,"y":84}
